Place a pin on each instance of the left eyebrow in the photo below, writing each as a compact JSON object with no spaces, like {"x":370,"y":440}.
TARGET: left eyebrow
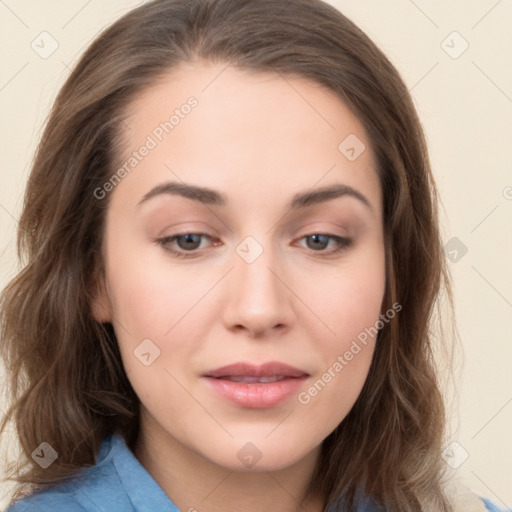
{"x":213,"y":197}
{"x":321,"y":195}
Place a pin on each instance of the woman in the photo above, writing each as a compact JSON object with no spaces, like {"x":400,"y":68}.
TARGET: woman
{"x":284,"y":359}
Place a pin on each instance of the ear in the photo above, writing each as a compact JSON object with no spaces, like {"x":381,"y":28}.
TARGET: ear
{"x":101,"y":309}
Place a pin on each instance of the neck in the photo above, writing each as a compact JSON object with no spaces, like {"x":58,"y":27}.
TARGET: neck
{"x":194,"y":483}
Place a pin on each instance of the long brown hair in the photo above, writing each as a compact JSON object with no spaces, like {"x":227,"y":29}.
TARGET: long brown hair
{"x":66,"y":381}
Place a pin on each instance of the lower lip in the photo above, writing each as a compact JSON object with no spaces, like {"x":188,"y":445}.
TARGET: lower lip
{"x":259,"y":395}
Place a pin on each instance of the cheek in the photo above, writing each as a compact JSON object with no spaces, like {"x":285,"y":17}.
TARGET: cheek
{"x":348,"y":299}
{"x":160,"y":309}
{"x":156,"y":314}
{"x":346,"y":358}
{"x":151,"y":319}
{"x":150,"y":294}
{"x":348,"y":304}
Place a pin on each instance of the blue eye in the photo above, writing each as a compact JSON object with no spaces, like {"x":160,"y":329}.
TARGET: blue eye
{"x":321,"y":241}
{"x":186,"y":242}
{"x":187,"y":245}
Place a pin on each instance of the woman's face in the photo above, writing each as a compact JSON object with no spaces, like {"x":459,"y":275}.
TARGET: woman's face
{"x":240,"y":307}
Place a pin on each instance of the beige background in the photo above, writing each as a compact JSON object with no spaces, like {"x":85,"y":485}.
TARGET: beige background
{"x":465,"y":104}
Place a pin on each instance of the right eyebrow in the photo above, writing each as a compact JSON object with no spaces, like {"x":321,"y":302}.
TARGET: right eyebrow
{"x":202,"y":194}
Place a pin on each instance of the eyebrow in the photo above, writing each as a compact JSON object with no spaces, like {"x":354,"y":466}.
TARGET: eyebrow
{"x":212,"y":197}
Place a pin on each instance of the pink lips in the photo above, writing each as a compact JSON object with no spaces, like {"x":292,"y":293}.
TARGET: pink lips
{"x":256,"y":387}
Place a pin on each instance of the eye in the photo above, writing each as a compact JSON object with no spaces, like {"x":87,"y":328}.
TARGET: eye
{"x":187,"y":245}
{"x":319,"y":241}
{"x":186,"y":242}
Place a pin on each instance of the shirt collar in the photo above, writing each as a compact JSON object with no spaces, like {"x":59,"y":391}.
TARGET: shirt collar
{"x":141,"y":488}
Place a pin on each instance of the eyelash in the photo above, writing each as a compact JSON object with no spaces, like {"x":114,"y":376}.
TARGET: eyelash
{"x":343,"y":244}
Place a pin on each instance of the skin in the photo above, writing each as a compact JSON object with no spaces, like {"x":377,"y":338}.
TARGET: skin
{"x":259,"y":139}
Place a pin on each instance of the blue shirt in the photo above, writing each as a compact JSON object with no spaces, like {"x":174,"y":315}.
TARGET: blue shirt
{"x":117,"y":483}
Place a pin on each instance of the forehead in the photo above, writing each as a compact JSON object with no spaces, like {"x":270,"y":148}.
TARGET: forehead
{"x":256,"y":132}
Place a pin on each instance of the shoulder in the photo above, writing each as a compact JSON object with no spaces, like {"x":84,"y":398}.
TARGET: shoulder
{"x":491,"y":507}
{"x":464,"y":499}
{"x":47,"y":501}
{"x":88,"y":490}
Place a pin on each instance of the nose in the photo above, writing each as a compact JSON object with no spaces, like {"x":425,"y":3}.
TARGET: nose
{"x":258,"y":296}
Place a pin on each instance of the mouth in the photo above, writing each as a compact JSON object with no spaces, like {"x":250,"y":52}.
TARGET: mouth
{"x":252,"y":380}
{"x":272,"y":370}
{"x":255,"y":387}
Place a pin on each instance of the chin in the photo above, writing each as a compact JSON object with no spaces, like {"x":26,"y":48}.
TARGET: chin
{"x":259,"y":455}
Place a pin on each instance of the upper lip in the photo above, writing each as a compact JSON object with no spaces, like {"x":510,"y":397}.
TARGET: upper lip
{"x":270,"y":369}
